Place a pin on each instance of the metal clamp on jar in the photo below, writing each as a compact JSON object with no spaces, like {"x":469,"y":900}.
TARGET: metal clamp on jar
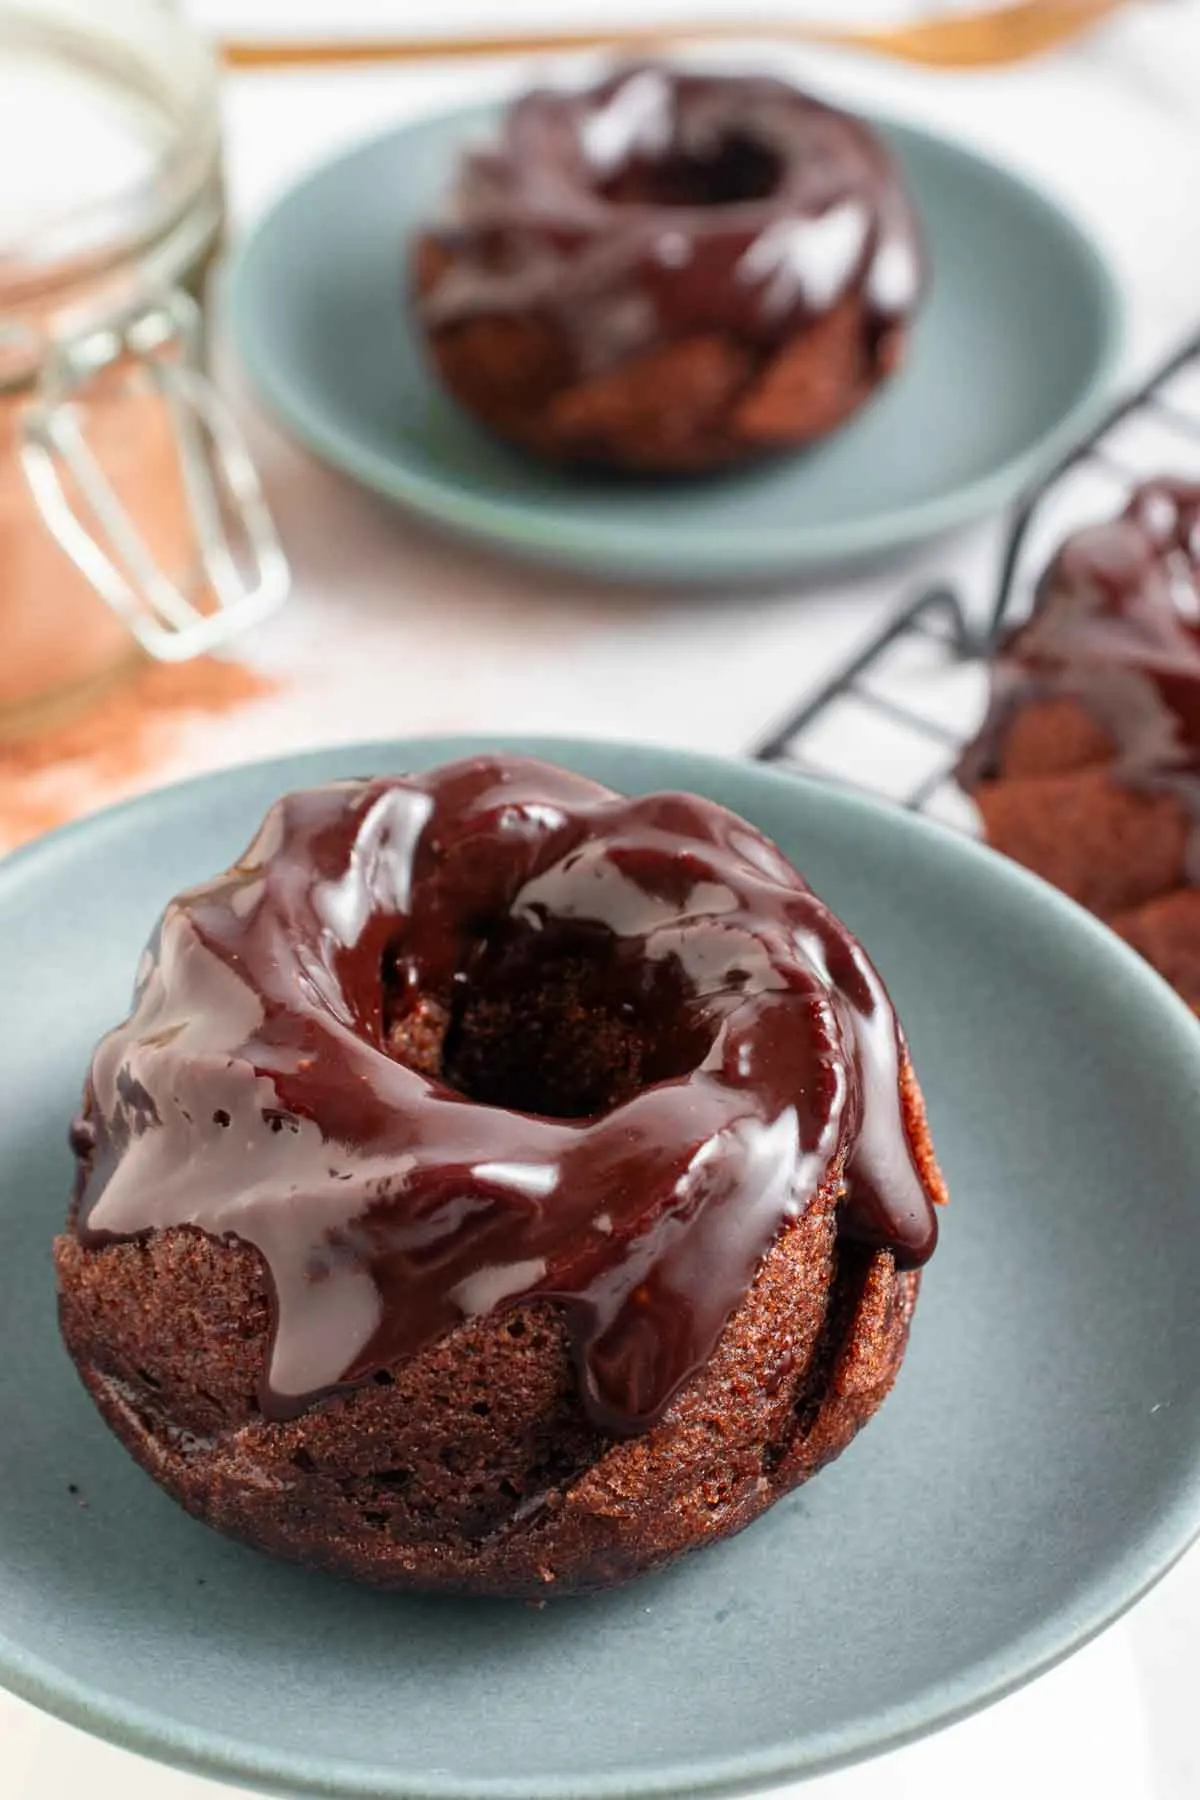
{"x":132,"y":522}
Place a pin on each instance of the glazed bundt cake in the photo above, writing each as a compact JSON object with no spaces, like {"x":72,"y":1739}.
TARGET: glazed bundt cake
{"x":499,"y":1185}
{"x":1087,"y":769}
{"x":670,"y":272}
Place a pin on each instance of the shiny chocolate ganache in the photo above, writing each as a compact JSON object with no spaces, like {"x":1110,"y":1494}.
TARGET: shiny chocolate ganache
{"x":439,"y":1043}
{"x":662,"y":203}
{"x":1116,"y":628}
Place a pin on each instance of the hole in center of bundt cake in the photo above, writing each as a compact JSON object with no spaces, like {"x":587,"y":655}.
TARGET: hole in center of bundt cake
{"x":567,"y":1025}
{"x":737,"y":168}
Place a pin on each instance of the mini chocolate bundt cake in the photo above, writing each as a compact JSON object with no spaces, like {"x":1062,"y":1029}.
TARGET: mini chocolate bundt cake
{"x":670,"y":272}
{"x":499,"y":1185}
{"x":1087,"y":769}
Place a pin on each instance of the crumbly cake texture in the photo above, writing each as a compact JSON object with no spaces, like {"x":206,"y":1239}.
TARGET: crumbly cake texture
{"x":696,"y":404}
{"x":1120,"y":852}
{"x":472,"y":1467}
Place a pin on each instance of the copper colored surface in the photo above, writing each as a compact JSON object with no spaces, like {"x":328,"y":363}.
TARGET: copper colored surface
{"x":114,"y":746}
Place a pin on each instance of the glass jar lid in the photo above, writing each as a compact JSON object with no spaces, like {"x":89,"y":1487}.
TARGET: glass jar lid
{"x":111,"y":209}
{"x":109,"y":133}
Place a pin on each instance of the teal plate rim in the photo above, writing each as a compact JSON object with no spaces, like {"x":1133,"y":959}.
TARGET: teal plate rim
{"x":535,"y":535}
{"x":1101,"y":1600}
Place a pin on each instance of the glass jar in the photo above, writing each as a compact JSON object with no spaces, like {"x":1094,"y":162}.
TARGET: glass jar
{"x":131,"y":520}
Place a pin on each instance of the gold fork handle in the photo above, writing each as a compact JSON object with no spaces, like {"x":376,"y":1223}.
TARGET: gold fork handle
{"x":999,"y":35}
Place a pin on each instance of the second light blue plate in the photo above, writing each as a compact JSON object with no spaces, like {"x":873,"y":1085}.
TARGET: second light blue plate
{"x":1011,"y":360}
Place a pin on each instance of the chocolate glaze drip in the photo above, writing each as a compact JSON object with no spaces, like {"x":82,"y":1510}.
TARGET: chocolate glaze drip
{"x":252,"y":1094}
{"x":659,"y":204}
{"x":1116,"y":627}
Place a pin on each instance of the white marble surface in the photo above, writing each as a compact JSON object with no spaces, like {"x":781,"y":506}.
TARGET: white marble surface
{"x":393,"y":631}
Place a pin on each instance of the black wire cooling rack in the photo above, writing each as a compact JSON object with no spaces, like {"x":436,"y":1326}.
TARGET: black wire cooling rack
{"x":895,"y":718}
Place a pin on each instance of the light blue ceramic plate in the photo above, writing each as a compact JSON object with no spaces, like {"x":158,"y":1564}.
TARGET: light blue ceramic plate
{"x":1011,"y":360}
{"x":1037,"y":1467}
